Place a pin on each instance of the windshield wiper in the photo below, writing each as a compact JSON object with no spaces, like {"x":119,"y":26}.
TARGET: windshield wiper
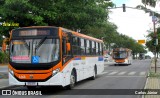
{"x":41,"y":42}
{"x":26,"y":45}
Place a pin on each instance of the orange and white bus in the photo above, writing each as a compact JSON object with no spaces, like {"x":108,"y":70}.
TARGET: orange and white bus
{"x":47,"y":55}
{"x":122,"y":56}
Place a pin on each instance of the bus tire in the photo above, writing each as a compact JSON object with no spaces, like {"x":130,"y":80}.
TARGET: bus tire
{"x":94,"y":73}
{"x":72,"y":80}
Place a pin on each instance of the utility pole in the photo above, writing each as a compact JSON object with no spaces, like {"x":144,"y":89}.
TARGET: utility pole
{"x":156,"y":40}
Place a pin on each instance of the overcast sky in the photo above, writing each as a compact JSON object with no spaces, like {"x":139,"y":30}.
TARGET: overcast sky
{"x":133,"y":23}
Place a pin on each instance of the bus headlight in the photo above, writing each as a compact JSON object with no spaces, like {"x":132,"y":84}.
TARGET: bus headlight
{"x":11,"y":71}
{"x":55,"y":71}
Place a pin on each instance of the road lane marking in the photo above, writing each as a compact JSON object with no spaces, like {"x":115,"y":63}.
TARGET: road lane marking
{"x":142,"y":73}
{"x":132,"y":73}
{"x":112,"y":73}
{"x":103,"y":73}
{"x":122,"y":73}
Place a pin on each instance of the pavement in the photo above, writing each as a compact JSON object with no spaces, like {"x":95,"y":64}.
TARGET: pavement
{"x":153,"y":82}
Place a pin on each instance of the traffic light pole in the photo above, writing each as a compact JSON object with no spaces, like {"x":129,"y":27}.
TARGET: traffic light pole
{"x":124,"y":8}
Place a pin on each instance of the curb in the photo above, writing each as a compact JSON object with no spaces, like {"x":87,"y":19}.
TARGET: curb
{"x":143,"y":96}
{"x":3,"y":64}
{"x":8,"y":87}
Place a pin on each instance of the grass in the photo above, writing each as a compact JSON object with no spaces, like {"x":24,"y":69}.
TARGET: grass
{"x":153,"y":74}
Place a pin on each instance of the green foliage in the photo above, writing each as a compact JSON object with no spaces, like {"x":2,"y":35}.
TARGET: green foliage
{"x":149,"y":2}
{"x":88,"y":16}
{"x":153,"y":74}
{"x":128,"y":42}
{"x":4,"y":57}
{"x":71,"y":14}
{"x":149,"y":42}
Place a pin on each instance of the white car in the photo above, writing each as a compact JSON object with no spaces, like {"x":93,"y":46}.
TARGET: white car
{"x":107,"y":58}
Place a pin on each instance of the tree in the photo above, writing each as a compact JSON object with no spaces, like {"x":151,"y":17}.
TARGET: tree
{"x":72,"y":14}
{"x":149,"y":42}
{"x":149,"y":2}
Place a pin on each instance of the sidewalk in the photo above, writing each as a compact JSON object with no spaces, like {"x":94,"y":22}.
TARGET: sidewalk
{"x":153,"y":80}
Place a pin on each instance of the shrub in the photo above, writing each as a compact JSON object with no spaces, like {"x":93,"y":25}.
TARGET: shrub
{"x":4,"y":57}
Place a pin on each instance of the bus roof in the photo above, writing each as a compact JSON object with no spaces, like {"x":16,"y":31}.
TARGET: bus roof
{"x":67,"y":30}
{"x":82,"y":35}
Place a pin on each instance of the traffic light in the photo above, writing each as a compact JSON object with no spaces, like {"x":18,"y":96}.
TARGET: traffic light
{"x":124,"y":8}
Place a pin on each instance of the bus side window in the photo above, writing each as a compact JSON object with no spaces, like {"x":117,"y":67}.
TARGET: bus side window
{"x":82,"y":47}
{"x":74,"y":45}
{"x":87,"y":47}
{"x":97,"y":49}
{"x":93,"y":48}
{"x":101,"y":48}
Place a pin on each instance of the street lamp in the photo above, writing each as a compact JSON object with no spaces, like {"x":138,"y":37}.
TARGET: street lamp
{"x":3,"y":36}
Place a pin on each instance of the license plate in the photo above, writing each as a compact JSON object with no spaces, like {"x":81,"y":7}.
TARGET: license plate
{"x":31,"y":83}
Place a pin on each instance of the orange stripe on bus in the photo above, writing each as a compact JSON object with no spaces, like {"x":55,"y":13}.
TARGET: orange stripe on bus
{"x":30,"y":71}
{"x":33,"y":76}
{"x":121,"y":60}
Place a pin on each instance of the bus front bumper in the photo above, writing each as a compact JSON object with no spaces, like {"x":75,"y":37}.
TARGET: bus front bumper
{"x":56,"y":80}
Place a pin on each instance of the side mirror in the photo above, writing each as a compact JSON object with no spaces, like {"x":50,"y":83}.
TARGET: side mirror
{"x":68,"y":45}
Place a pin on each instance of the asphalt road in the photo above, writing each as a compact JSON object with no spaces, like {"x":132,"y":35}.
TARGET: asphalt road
{"x":3,"y":69}
{"x":3,"y":72}
{"x":115,"y":78}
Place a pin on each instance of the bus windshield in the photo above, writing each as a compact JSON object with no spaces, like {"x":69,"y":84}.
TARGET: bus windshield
{"x":24,"y":50}
{"x":119,"y":54}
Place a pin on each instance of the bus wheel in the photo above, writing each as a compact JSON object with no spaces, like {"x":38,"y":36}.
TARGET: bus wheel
{"x":31,"y":87}
{"x":94,"y":73}
{"x":72,"y":81}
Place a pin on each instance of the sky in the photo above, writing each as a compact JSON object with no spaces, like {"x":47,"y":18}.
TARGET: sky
{"x":133,"y":22}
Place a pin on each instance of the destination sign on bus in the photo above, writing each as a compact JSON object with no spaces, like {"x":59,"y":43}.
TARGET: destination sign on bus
{"x":34,"y":32}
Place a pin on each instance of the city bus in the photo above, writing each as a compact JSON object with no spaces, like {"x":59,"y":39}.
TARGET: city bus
{"x":53,"y":56}
{"x":122,"y":56}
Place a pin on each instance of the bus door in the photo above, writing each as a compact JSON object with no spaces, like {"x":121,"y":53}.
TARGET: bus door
{"x":66,"y":48}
